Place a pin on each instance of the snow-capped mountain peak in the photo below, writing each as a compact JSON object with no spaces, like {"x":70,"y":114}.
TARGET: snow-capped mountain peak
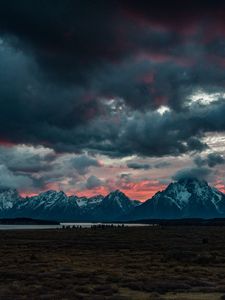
{"x":186,"y":198}
{"x":8,"y":198}
{"x":49,"y":199}
{"x":117,"y":201}
{"x":182,"y":190}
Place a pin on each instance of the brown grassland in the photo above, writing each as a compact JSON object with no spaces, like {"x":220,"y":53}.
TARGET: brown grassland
{"x":113,"y":263}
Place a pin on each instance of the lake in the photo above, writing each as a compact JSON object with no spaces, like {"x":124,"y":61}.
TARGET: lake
{"x":61,"y":225}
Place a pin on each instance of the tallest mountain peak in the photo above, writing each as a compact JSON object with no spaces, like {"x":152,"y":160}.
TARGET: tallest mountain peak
{"x":185,"y":198}
{"x":117,"y":192}
{"x":190,"y":184}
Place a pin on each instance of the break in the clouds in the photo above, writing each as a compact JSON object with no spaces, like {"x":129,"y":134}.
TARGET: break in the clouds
{"x":90,"y":90}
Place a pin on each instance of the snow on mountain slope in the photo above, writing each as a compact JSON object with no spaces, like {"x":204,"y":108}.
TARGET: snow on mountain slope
{"x":113,"y":206}
{"x":8,"y":198}
{"x":85,"y":202}
{"x":186,"y":198}
{"x":81,"y":201}
{"x":48,"y":205}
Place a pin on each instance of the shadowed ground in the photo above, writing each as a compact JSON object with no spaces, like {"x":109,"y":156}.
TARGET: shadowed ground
{"x":113,"y":263}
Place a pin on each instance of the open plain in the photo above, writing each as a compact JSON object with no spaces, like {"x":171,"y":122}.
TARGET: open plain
{"x":177,"y":263}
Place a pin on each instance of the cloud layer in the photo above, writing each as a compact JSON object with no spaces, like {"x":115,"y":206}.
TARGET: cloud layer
{"x":107,"y":80}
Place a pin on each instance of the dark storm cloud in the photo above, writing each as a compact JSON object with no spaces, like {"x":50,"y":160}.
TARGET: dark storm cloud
{"x":69,"y":37}
{"x":214,"y":159}
{"x":161,"y":165}
{"x":155,"y":134}
{"x":138,"y":166}
{"x":26,"y":159}
{"x":200,"y":173}
{"x":148,"y":134}
{"x":31,"y":107}
{"x":66,"y":37}
{"x":83,"y":162}
{"x":146,"y":84}
{"x":93,"y":182}
{"x":145,"y":166}
{"x":125,"y":176}
{"x":10,"y":180}
{"x":60,"y":61}
{"x":211,"y":160}
{"x":173,"y":8}
{"x":196,"y":145}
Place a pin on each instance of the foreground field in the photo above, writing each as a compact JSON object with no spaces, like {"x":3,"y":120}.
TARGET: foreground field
{"x":113,"y":263}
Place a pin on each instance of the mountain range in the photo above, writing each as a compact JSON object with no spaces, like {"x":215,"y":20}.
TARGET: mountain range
{"x":186,"y":198}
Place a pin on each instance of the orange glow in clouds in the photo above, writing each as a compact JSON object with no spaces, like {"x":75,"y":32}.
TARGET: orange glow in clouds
{"x":142,"y":191}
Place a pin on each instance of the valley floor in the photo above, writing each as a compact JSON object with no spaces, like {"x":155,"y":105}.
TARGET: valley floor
{"x":183,"y":263}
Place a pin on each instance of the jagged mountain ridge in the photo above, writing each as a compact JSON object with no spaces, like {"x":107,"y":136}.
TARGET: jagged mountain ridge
{"x":48,"y":205}
{"x":8,"y":199}
{"x":113,"y":206}
{"x":186,"y":198}
{"x":58,"y":206}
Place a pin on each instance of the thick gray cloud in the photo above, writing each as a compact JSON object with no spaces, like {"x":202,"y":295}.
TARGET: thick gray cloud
{"x":35,"y":168}
{"x":153,"y":134}
{"x":138,"y":166}
{"x":163,"y":164}
{"x":83,"y":162}
{"x":10,"y":180}
{"x":145,"y":166}
{"x":211,"y":160}
{"x":37,"y":109}
{"x":24,"y":159}
{"x":91,"y":77}
{"x":93,"y":182}
{"x":199,"y":173}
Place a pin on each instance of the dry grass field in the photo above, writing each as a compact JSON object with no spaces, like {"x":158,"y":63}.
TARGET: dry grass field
{"x":113,"y":263}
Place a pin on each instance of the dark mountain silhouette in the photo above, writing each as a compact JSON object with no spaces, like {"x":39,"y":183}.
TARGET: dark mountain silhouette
{"x":186,"y":198}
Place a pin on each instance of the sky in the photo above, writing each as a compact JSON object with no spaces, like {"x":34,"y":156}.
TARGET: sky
{"x":104,"y":95}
